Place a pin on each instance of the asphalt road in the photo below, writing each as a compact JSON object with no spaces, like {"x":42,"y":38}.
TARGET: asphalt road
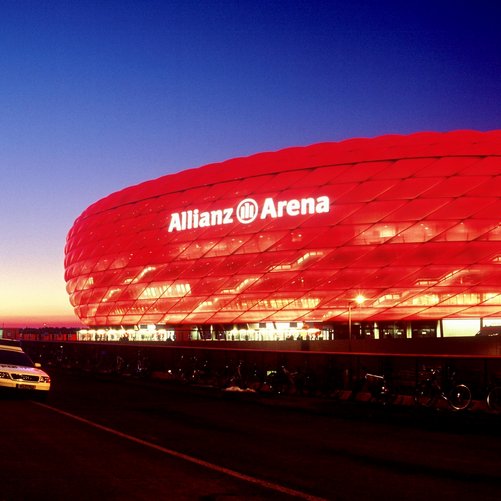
{"x":99,"y":438}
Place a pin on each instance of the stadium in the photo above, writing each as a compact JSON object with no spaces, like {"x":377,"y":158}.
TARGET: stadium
{"x":388,"y":237}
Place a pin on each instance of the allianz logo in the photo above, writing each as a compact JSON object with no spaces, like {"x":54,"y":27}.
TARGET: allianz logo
{"x":247,"y":211}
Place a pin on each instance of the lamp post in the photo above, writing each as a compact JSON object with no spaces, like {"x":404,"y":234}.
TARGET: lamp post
{"x":349,"y":322}
{"x":358,"y":301}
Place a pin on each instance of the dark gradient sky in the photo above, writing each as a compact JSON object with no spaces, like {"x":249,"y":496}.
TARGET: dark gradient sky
{"x":99,"y":95}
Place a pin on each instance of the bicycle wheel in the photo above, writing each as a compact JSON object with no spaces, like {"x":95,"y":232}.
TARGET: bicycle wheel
{"x":494,"y":399}
{"x":459,"y":397}
{"x":425,"y":394}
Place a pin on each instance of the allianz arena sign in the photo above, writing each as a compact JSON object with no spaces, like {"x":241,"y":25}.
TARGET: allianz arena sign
{"x":247,"y":211}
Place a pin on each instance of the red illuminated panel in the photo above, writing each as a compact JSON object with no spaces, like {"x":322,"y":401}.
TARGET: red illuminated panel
{"x":413,"y":223}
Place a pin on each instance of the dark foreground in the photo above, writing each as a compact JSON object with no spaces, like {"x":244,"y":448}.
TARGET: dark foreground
{"x":288,"y":447}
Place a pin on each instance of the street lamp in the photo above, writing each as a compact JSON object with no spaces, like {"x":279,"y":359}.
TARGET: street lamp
{"x":358,"y":301}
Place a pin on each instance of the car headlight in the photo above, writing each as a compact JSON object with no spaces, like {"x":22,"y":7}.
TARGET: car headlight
{"x":44,"y":379}
{"x":4,"y":375}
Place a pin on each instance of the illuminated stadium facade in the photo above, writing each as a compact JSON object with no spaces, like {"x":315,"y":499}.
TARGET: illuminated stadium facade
{"x":395,"y":236}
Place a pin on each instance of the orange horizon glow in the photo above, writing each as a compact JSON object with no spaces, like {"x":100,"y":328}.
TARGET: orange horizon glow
{"x":38,"y":321}
{"x":33,"y":294}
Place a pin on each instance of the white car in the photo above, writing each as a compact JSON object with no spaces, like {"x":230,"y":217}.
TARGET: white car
{"x":18,"y":372}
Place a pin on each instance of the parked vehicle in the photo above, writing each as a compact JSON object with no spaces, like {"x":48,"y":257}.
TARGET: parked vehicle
{"x":436,"y":386}
{"x":380,"y":389}
{"x":18,"y":372}
{"x":377,"y":386}
{"x":279,"y":381}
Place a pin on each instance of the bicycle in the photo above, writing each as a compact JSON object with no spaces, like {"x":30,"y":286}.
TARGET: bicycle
{"x":431,"y":390}
{"x":280,"y":381}
{"x":380,"y":389}
{"x":377,"y":386}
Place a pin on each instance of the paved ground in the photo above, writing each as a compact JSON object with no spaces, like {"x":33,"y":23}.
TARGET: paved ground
{"x":329,"y":449}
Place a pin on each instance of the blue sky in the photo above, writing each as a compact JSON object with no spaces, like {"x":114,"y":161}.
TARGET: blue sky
{"x":99,"y":95}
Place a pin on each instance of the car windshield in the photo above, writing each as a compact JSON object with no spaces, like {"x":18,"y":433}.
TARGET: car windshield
{"x":15,"y":358}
